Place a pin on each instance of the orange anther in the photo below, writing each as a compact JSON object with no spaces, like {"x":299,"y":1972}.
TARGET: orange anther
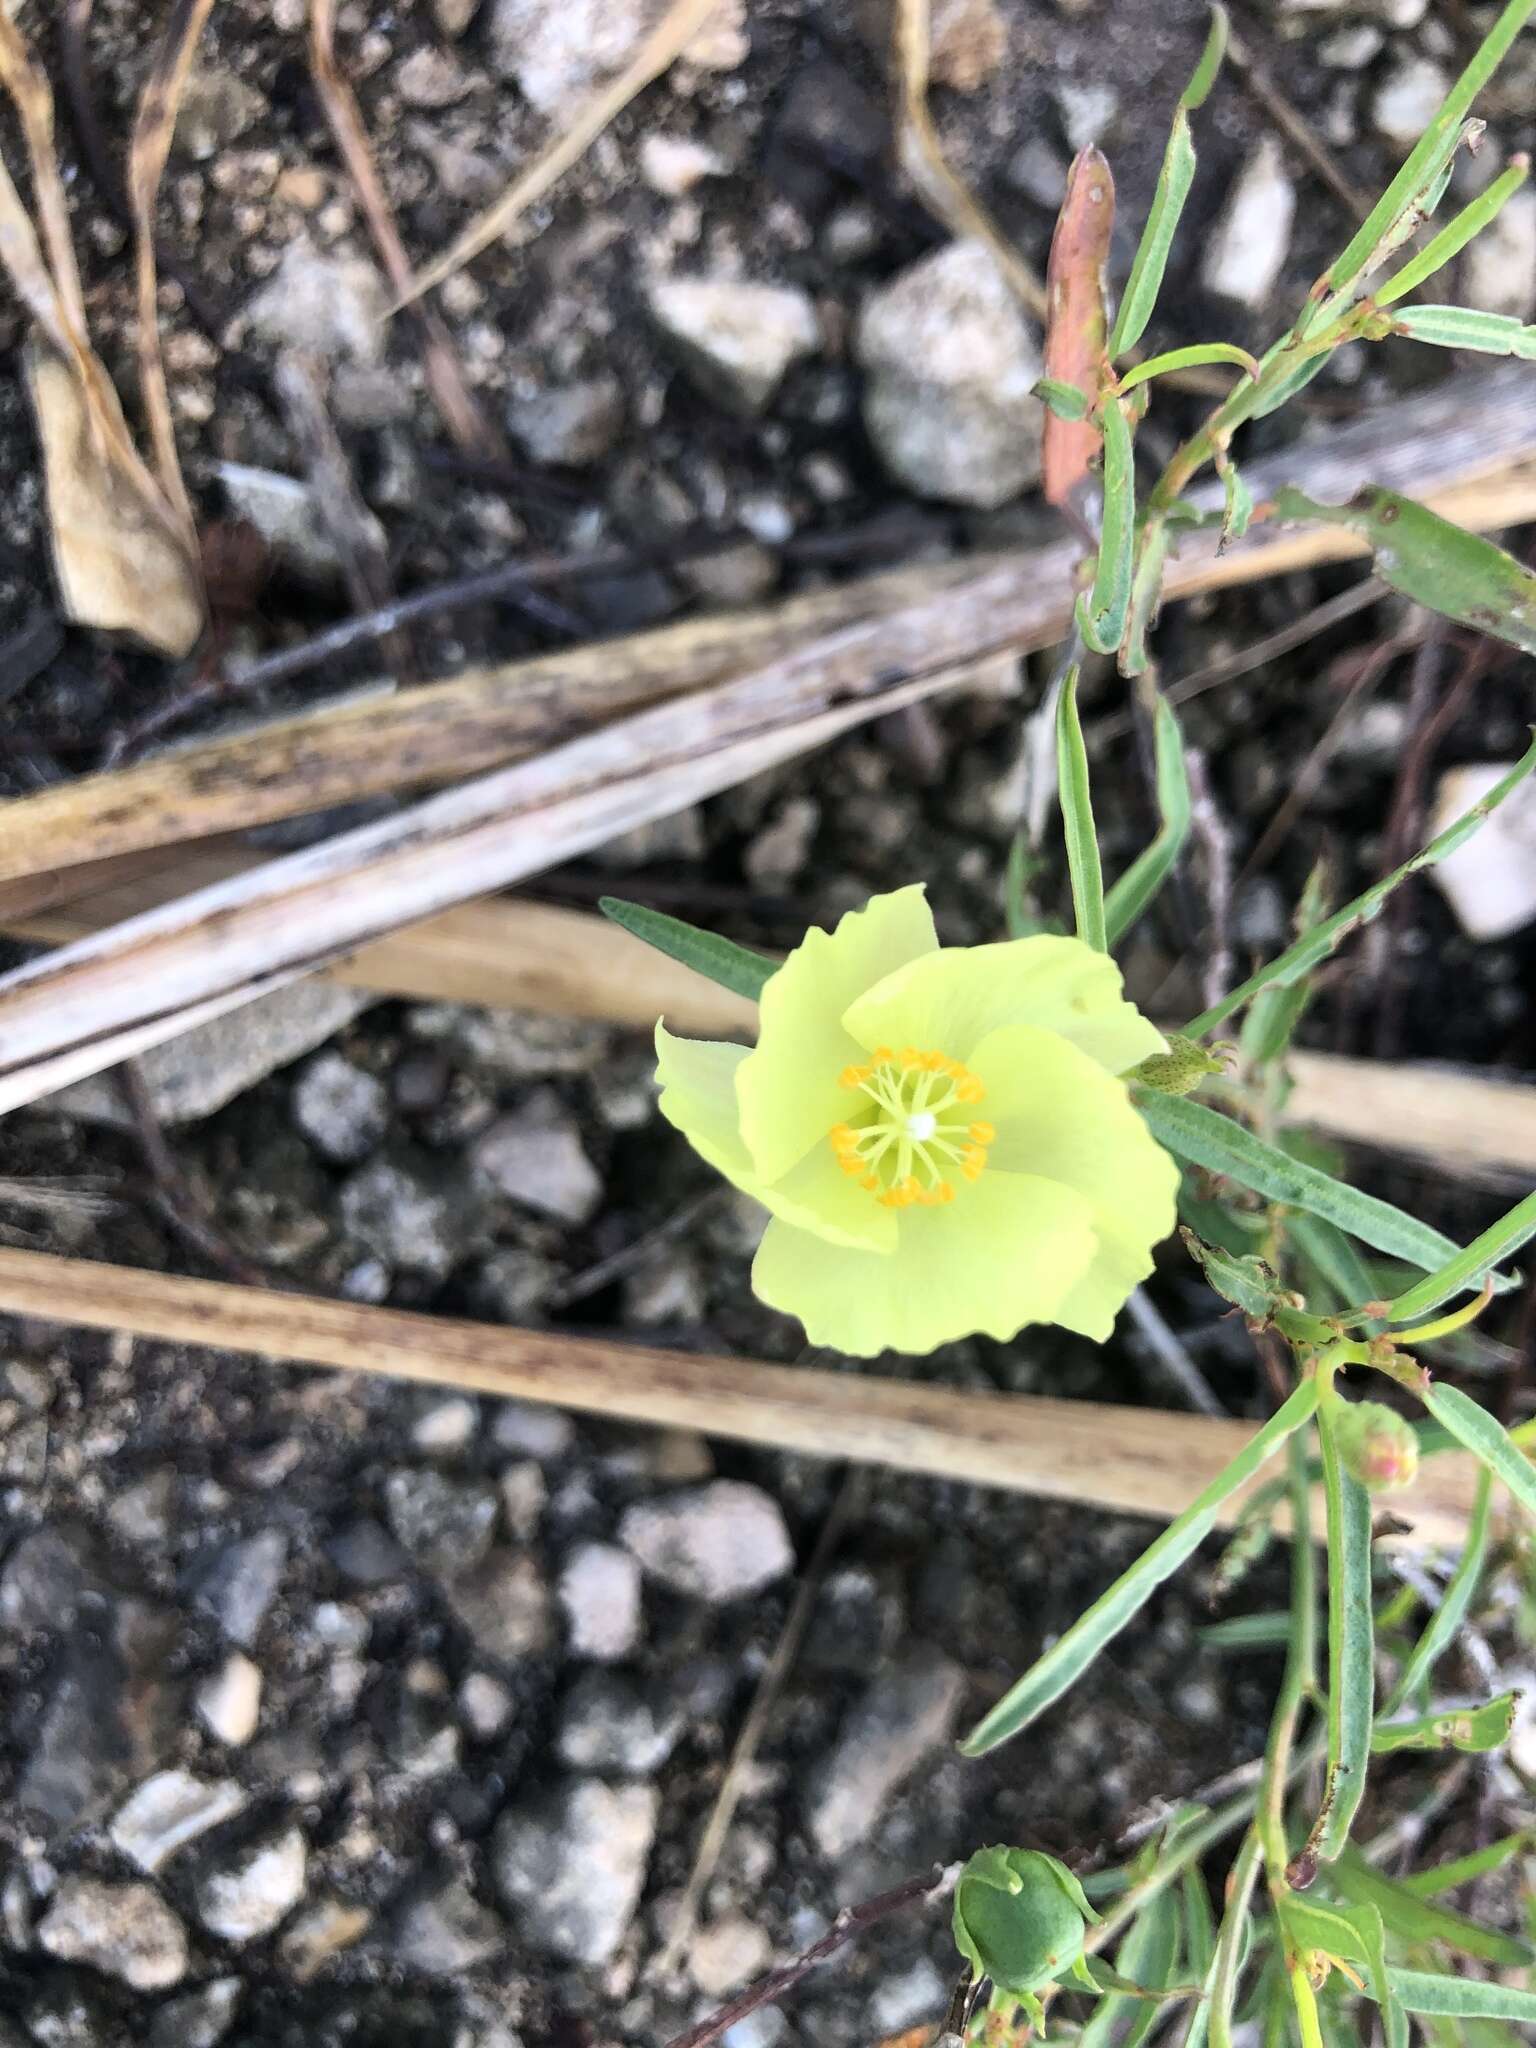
{"x":970,"y":1089}
{"x":983,"y":1133}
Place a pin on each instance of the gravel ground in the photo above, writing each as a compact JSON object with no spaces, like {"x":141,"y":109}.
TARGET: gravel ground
{"x":332,"y":1713}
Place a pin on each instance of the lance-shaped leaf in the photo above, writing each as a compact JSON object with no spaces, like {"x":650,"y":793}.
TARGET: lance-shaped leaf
{"x":1444,"y":1624}
{"x":1101,"y":611}
{"x":1146,"y":597}
{"x":1448,"y":1877}
{"x":1077,"y":818}
{"x":1414,"y":192}
{"x":1470,"y":1267}
{"x":1138,"y":887}
{"x":1487,"y":1440}
{"x":719,"y":960}
{"x":1351,"y":1678}
{"x":1488,"y":334}
{"x":1174,"y":181}
{"x":1461,"y":1998}
{"x":1454,"y":236}
{"x":1075,"y":327}
{"x":1237,"y":501}
{"x":1418,"y":1920}
{"x":1438,"y":564}
{"x":1064,"y":400}
{"x":1195,"y":357}
{"x":1473,"y":1729}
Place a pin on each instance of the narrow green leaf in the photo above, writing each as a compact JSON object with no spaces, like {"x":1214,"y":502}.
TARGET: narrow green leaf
{"x":1454,"y":236}
{"x":1447,"y":1877}
{"x":1316,"y":945}
{"x":1471,"y":1267}
{"x":1151,"y":260}
{"x":1203,"y":77}
{"x":1486,"y":1439}
{"x":720,"y":960}
{"x":1432,"y":560}
{"x":1101,"y":611}
{"x":1232,"y":1943}
{"x":1445,"y":1623}
{"x":1077,"y":819}
{"x":1286,"y":387}
{"x":1351,"y":1677}
{"x":1461,"y":1998}
{"x":1065,"y":400}
{"x":1247,"y":1632}
{"x":1308,"y":1923}
{"x":1410,"y":191}
{"x":1070,"y":1656}
{"x":1147,"y":1957}
{"x":1138,"y":887}
{"x":1335,"y":1258}
{"x":1146,"y":598}
{"x":1199,"y":1924}
{"x":1473,"y":1729}
{"x":1195,"y":357}
{"x":1206,"y":1138}
{"x":1416,"y":1920}
{"x":1489,"y":334}
{"x":1367,"y":1921}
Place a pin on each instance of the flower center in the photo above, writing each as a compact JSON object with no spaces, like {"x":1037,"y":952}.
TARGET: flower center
{"x":912,"y":1128}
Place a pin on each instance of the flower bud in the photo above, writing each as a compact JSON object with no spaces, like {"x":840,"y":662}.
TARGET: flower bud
{"x":1019,"y":1918}
{"x":1179,"y":1070}
{"x":1377,"y":1445}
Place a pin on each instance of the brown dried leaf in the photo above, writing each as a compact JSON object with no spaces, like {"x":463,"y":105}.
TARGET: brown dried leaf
{"x":666,"y":41}
{"x":1076,"y":331}
{"x":118,"y":552}
{"x":27,"y":85}
{"x":445,"y":379}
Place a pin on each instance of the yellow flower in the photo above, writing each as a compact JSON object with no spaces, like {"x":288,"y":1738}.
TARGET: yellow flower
{"x":939,"y":1135}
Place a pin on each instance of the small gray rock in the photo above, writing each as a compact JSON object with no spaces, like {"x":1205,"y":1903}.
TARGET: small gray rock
{"x":444,"y":1930}
{"x":778,"y":855}
{"x":1498,"y":272}
{"x":216,"y":106}
{"x":535,"y":1156}
{"x":907,"y":2000}
{"x":950,"y":361}
{"x":445,"y":1524}
{"x":600,"y":1592}
{"x":228,"y":1701}
{"x":331,"y":306}
{"x":48,"y":1576}
{"x":728,"y":1953}
{"x":504,"y":1604}
{"x":558,"y":54}
{"x":111,"y":1709}
{"x":403,"y":1211}
{"x":667,"y":1287}
{"x":365,"y":1552}
{"x":571,"y":1866}
{"x":514,"y":1283}
{"x":486,"y":1705}
{"x":608,"y":1725}
{"x":125,"y":1930}
{"x":240,"y":1582}
{"x":716,"y":1543}
{"x":573,"y":425}
{"x":735,"y":339}
{"x":533,"y":1428}
{"x":168,"y":1811}
{"x":515,"y":1045}
{"x":200,"y":2018}
{"x":341,"y":1109}
{"x":904,"y":1714}
{"x":247,"y":1897}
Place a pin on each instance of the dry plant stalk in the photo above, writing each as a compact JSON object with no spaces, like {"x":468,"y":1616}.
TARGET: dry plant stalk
{"x":660,"y":48}
{"x":153,"y":127}
{"x":445,"y":379}
{"x":923,"y":159}
{"x":1132,"y":1460}
{"x":122,"y":542}
{"x":1471,"y":455}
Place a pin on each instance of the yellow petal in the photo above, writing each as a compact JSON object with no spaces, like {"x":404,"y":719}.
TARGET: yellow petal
{"x":787,"y":1090}
{"x":1007,"y":1251}
{"x":698,"y":1097}
{"x":951,"y":1000}
{"x":1058,"y":1114}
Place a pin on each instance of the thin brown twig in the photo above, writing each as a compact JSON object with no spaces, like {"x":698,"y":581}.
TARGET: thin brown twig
{"x":1230,"y":668}
{"x":462,"y":417}
{"x":849,"y":1502}
{"x":1295,"y":128}
{"x":153,"y":127}
{"x":172,"y":1191}
{"x":929,"y":1890}
{"x":351,"y":528}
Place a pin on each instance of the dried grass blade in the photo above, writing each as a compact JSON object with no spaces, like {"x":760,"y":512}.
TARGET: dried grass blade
{"x":925,"y":163}
{"x":666,"y":42}
{"x":22,"y":256}
{"x":445,"y":379}
{"x":153,"y":127}
{"x":27,"y":84}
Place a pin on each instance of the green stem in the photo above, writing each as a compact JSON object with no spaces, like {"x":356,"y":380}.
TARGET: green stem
{"x":1305,"y":2000}
{"x":1300,"y":1672}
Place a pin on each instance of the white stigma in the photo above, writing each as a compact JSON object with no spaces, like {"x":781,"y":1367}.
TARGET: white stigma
{"x":922,"y":1126}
